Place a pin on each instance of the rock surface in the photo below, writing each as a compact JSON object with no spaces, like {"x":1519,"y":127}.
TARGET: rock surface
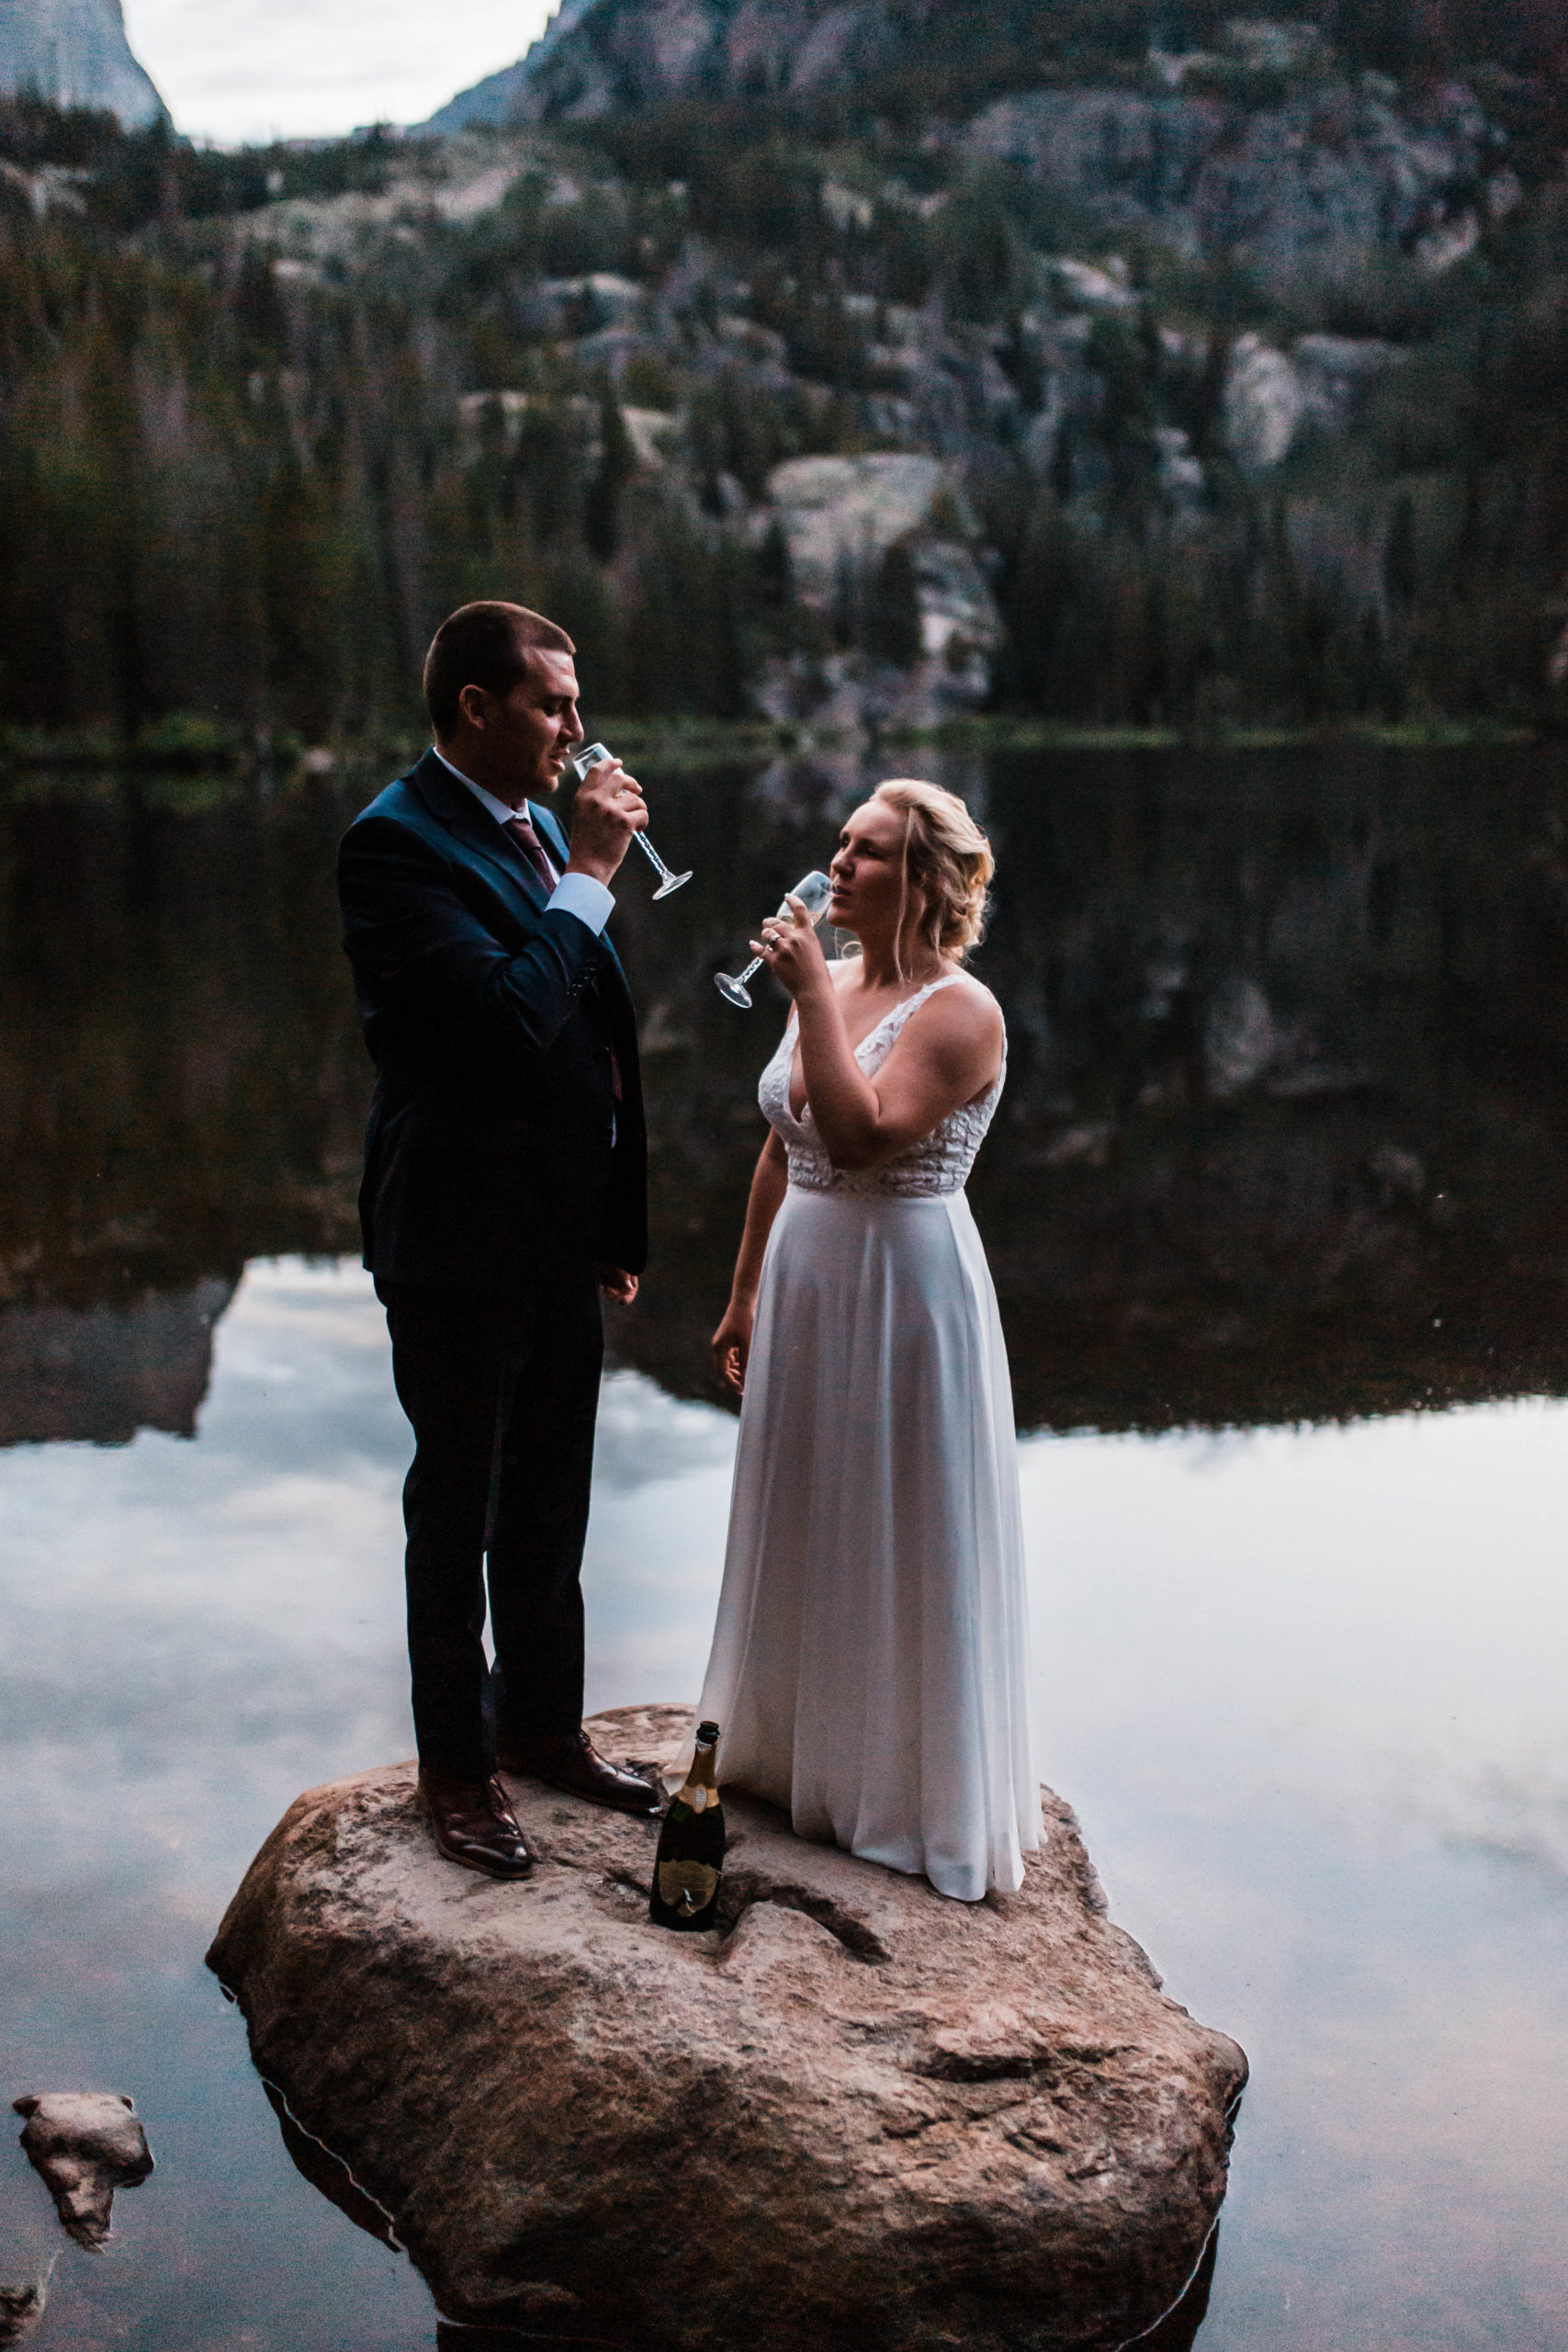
{"x":861,"y":2109}
{"x":1333,"y":168}
{"x":86,"y":2144}
{"x":74,"y":54}
{"x":21,"y":2308}
{"x":1338,"y":163}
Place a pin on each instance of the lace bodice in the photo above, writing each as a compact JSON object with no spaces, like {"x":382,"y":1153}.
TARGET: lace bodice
{"x":938,"y":1163}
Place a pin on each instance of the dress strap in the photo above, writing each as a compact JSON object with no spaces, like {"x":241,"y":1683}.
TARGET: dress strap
{"x":893,"y":1019}
{"x":909,"y":1004}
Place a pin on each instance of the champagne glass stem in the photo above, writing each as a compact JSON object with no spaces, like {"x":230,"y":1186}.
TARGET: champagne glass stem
{"x":656,"y":862}
{"x":814,"y":890}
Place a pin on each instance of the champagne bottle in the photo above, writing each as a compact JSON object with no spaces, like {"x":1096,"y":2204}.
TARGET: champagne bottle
{"x":689,"y":1861}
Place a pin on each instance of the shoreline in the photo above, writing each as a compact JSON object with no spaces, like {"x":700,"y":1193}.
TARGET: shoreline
{"x":181,"y":753}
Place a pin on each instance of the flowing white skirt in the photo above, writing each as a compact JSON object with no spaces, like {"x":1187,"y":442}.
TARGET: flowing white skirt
{"x":870,"y":1664}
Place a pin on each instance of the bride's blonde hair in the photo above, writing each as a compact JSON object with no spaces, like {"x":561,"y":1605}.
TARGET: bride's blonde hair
{"x":947,"y":865}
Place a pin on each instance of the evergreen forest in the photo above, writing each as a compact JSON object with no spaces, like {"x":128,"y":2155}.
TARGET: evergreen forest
{"x":1213,"y":443}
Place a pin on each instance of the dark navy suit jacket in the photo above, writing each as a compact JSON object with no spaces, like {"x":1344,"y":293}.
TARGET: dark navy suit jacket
{"x":499,"y":1031}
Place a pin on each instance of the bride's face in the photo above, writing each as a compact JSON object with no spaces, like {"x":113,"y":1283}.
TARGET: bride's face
{"x":867,"y":873}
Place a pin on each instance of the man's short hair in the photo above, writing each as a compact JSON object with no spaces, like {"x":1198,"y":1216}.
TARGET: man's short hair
{"x":485,"y":644}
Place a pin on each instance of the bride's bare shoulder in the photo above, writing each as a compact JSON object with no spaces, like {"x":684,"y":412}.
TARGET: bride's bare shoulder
{"x":960,"y":1032}
{"x":968,"y":1009}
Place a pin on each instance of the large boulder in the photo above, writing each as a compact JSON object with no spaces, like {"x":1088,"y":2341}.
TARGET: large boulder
{"x":857,"y":2109}
{"x":842,"y":513}
{"x":842,"y":516}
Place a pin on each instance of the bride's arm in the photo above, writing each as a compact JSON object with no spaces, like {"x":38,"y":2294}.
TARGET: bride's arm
{"x":732,"y":1340}
{"x":950,"y":1052}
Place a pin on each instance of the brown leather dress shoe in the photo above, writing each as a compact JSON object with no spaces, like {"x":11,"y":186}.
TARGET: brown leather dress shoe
{"x":474,"y":1824}
{"x":568,"y":1759}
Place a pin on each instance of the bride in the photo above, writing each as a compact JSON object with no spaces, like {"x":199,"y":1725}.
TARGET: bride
{"x":870,"y":1659}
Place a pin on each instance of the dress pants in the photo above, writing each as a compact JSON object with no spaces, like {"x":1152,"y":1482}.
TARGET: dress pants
{"x":502,"y":1392}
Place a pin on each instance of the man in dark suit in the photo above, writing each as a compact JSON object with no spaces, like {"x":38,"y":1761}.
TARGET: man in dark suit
{"x":505,"y":1186}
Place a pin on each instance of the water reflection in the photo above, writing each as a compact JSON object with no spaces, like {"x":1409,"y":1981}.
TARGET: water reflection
{"x":1302,"y":1686}
{"x":1283,"y":1135}
{"x":1176,"y":2331}
{"x":1283,"y":1140}
{"x":103,"y":1373}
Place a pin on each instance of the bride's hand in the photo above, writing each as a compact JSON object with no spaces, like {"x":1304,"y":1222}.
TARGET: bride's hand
{"x":732,"y":1345}
{"x":792,"y":949}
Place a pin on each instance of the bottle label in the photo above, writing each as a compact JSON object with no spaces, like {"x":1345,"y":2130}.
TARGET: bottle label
{"x":687,"y":1887}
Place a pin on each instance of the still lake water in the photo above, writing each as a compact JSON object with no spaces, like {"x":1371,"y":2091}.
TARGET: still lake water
{"x":1279,"y":1211}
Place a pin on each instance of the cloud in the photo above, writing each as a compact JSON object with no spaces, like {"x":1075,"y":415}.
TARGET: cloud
{"x":238,"y":70}
{"x":207,"y":1629}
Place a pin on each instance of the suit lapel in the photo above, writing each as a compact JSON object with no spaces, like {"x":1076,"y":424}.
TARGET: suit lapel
{"x":454,"y":806}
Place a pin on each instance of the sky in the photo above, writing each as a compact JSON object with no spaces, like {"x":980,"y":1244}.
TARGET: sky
{"x":238,"y":70}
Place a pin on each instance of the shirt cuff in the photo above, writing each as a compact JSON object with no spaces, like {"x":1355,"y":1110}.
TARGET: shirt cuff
{"x":579,"y":895}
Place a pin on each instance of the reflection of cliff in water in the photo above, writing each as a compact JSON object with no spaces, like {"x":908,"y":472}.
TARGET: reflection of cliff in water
{"x":181,"y":1088}
{"x":1292,"y":1084}
{"x":103,"y":1373}
{"x":1284,"y":1122}
{"x":1281,"y":1136}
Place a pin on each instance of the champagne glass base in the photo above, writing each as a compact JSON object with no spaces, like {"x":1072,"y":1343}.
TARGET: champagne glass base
{"x":673,"y":883}
{"x":734,"y":991}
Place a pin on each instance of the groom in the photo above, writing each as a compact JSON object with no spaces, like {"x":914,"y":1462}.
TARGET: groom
{"x":505,"y":1187}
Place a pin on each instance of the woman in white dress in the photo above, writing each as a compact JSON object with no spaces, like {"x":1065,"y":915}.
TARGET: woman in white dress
{"x":870,"y":1659}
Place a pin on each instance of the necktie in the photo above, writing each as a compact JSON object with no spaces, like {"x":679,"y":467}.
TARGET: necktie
{"x":519,"y":830}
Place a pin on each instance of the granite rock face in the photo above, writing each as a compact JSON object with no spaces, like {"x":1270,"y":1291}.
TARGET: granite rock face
{"x":1338,"y":164}
{"x":1335,"y":169}
{"x":595,"y":55}
{"x":76,"y":53}
{"x":860,"y":2108}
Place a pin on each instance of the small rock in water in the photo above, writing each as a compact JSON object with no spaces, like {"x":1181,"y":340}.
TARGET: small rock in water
{"x":21,"y":2308}
{"x":86,"y":2144}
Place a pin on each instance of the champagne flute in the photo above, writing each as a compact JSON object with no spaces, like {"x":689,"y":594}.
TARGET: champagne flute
{"x":590,"y":757}
{"x":814,"y":892}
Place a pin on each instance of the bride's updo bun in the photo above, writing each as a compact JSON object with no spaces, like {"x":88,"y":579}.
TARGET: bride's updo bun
{"x":947,"y":863}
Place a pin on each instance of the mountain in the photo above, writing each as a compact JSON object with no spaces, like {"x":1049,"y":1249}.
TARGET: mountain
{"x":600,"y":58}
{"x":600,"y":55}
{"x":1213,"y":383}
{"x":503,"y":97}
{"x":74,"y":54}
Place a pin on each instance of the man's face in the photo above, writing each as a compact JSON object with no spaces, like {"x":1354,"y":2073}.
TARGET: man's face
{"x":525,"y":736}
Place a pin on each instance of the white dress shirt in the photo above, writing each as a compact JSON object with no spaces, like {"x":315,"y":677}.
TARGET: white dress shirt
{"x":574,"y":894}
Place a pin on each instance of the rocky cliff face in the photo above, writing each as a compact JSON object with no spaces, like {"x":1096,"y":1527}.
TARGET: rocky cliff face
{"x":598,"y":55}
{"x":1158,"y":197}
{"x":912,"y":364}
{"x":1336,"y":166}
{"x":76,"y":53}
